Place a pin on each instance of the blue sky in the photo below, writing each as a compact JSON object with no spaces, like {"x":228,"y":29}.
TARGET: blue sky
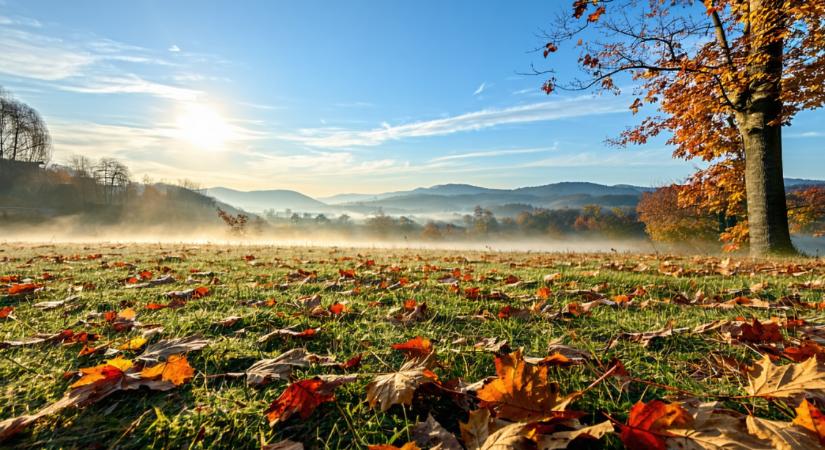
{"x":326,"y":97}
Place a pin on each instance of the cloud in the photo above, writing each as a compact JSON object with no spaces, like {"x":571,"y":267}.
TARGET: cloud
{"x":480,"y":88}
{"x":30,"y":55}
{"x":806,"y":134}
{"x":174,"y":48}
{"x":128,"y":84}
{"x":486,"y":118}
{"x":493,"y":153}
{"x":94,"y":66}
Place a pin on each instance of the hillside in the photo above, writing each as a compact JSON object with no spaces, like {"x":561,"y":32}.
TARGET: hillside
{"x":257,"y":201}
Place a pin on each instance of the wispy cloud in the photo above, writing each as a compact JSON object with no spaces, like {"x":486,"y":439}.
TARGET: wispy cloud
{"x":486,"y":118}
{"x":174,"y":49}
{"x":94,"y":65}
{"x":480,"y":88}
{"x":493,"y":153}
{"x":806,"y":134}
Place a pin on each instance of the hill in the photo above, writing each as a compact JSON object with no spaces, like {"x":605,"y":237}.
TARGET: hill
{"x":257,"y":201}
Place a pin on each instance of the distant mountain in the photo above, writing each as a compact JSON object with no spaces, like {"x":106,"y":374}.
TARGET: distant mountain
{"x":257,"y":201}
{"x":452,"y":198}
{"x":801,"y":182}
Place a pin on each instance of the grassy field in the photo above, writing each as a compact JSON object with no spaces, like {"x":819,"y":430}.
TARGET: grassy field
{"x":263,"y":286}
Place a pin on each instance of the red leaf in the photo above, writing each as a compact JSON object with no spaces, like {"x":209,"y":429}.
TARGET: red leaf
{"x":417,"y":346}
{"x":302,"y":397}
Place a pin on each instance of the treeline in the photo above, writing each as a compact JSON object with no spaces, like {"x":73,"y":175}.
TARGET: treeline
{"x":591,"y":221}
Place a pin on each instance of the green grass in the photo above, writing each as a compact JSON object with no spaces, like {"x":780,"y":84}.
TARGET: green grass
{"x":220,"y":412}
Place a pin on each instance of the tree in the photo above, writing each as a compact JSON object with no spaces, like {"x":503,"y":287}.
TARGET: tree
{"x":23,"y":134}
{"x":667,"y":221}
{"x":725,"y":75}
{"x":113,"y":177}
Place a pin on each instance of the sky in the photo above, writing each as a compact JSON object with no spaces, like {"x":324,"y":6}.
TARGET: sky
{"x":328,"y":97}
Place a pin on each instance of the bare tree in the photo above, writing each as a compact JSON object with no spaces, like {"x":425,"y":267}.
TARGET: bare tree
{"x":23,"y":134}
{"x":113,"y":177}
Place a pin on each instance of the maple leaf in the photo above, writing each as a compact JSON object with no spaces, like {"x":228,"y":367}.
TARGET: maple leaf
{"x":768,"y":380}
{"x":477,"y":428}
{"x":395,"y":388}
{"x":109,"y":372}
{"x":278,"y":368}
{"x":415,"y":347}
{"x":647,"y":424}
{"x":561,"y":439}
{"x":430,"y":434}
{"x":783,"y":435}
{"x":175,"y":370}
{"x":167,"y":347}
{"x":510,"y":437}
{"x":713,"y":430}
{"x":302,"y":397}
{"x":521,"y":392}
{"x":811,"y":418}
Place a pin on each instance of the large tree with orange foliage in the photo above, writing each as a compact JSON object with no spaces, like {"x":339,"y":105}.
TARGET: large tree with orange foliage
{"x":723,"y":75}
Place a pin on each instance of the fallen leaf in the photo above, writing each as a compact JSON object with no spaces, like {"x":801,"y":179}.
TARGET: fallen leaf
{"x":770,"y":381}
{"x":648,"y":422}
{"x":430,"y":434}
{"x":521,"y":392}
{"x":175,"y":370}
{"x":302,"y":397}
{"x":415,"y":347}
{"x":811,"y":418}
{"x":395,"y":388}
{"x":163,"y":349}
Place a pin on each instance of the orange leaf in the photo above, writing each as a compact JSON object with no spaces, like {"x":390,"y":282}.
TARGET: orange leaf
{"x":25,"y":288}
{"x":811,"y":418}
{"x":127,"y":314}
{"x":543,"y":293}
{"x":337,"y":308}
{"x":6,"y":311}
{"x":112,"y":371}
{"x":301,"y":397}
{"x":175,"y":370}
{"x":647,"y":421}
{"x":521,"y":392}
{"x":417,"y":346}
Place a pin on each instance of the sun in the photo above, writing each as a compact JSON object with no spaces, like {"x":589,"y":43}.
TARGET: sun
{"x":203,"y":127}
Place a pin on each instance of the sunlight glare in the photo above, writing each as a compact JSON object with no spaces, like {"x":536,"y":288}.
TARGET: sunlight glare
{"x":203,"y":127}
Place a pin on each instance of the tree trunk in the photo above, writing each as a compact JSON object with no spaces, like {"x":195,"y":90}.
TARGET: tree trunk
{"x":761,"y":129}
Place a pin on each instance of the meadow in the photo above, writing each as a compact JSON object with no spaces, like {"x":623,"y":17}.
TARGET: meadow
{"x":604,"y":331}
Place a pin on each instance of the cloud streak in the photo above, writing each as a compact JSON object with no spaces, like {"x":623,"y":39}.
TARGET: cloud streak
{"x":95,"y":66}
{"x":478,"y":120}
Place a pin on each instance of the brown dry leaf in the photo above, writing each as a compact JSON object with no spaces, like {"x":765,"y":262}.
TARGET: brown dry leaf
{"x":280,"y":367}
{"x":511,"y":437}
{"x":783,"y":435}
{"x":283,"y":445}
{"x":175,"y":370}
{"x":476,"y":430}
{"x":768,"y":380}
{"x":163,"y":349}
{"x":562,"y":439}
{"x":521,"y":392}
{"x":398,"y":387}
{"x":430,"y":434}
{"x":713,"y":430}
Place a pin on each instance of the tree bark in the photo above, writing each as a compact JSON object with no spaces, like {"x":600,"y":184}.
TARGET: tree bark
{"x":761,"y":129}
